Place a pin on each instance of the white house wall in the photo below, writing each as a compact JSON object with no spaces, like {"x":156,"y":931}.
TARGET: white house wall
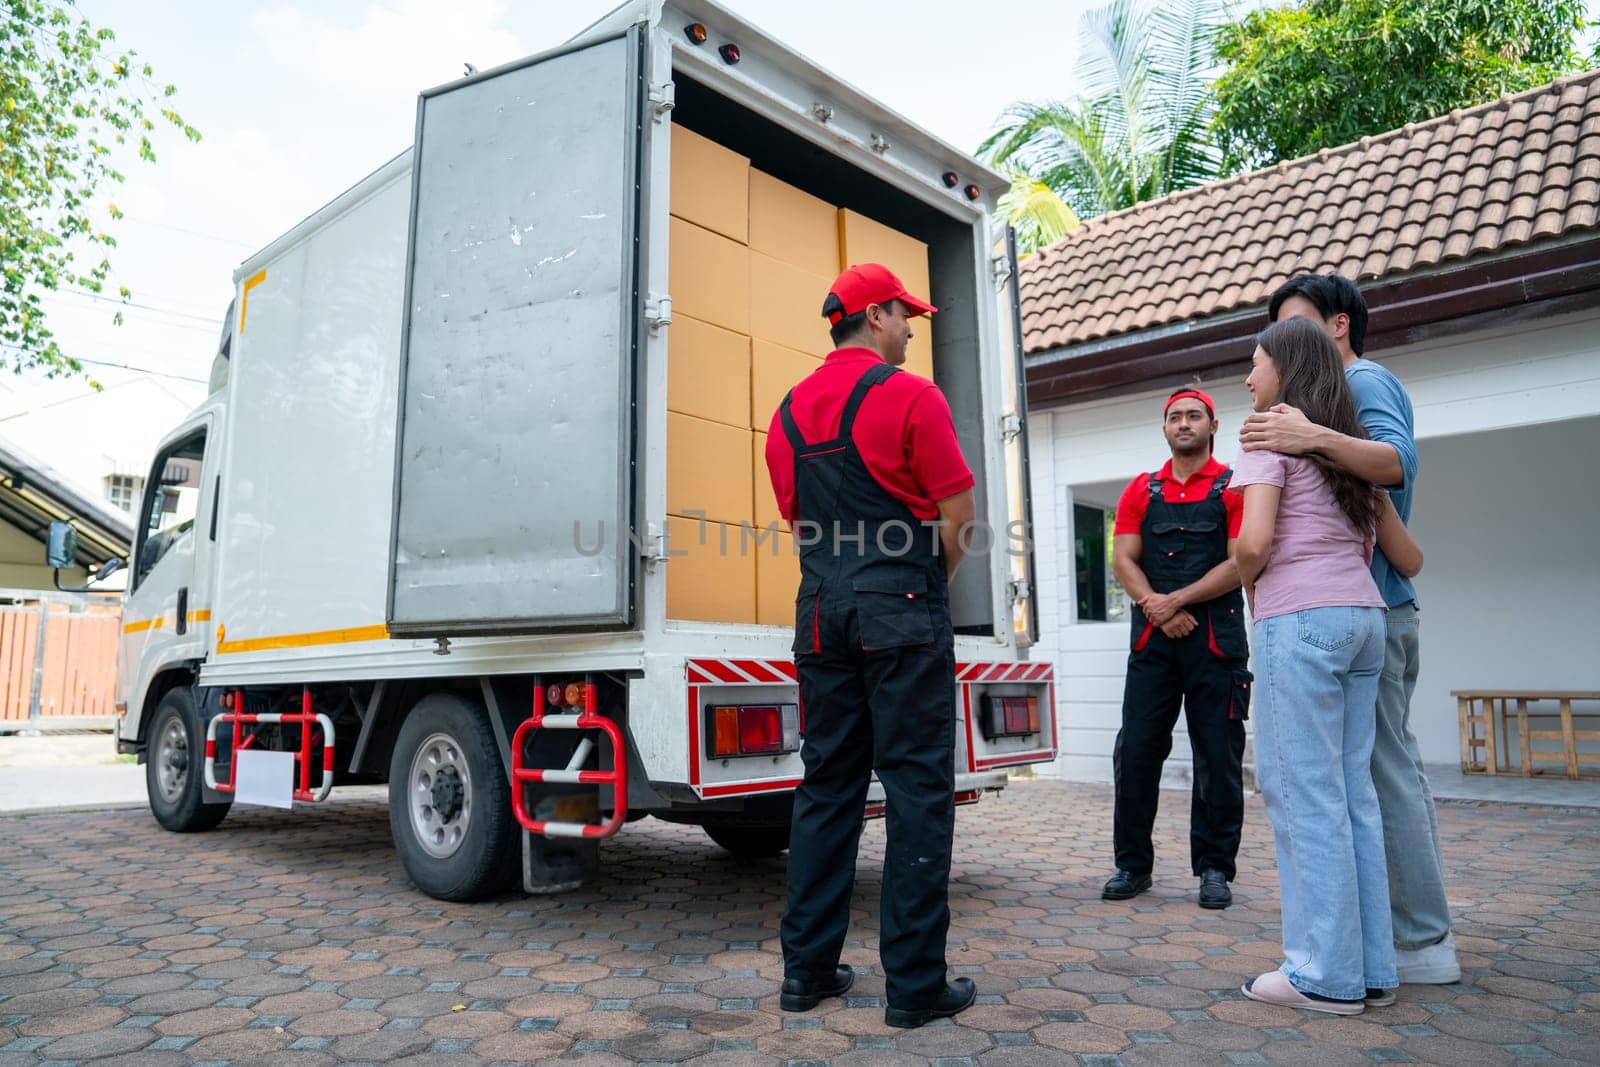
{"x":1463,"y":389}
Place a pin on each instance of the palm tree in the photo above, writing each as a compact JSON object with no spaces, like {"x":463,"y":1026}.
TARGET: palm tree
{"x":1141,"y":128}
{"x":1037,"y":213}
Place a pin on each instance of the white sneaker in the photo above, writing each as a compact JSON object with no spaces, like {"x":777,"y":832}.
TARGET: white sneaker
{"x":1431,"y":965}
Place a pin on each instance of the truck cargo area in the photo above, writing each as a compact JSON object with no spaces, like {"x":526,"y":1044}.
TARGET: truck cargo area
{"x":952,"y":265}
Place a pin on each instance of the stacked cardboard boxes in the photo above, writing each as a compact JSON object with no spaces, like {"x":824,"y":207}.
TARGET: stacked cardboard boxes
{"x":751,"y":260}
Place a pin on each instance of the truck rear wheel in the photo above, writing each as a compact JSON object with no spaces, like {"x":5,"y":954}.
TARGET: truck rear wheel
{"x":173,"y":770}
{"x":752,"y":842}
{"x":450,"y":802}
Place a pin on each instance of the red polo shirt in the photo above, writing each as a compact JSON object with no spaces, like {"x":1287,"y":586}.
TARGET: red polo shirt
{"x":904,"y":432}
{"x":1136,"y":498}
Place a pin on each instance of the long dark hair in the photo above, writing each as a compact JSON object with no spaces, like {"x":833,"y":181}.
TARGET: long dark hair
{"x":1312,"y":373}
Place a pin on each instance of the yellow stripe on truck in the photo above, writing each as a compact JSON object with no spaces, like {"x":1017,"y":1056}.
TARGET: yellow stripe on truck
{"x":244,"y":301}
{"x":306,"y":640}
{"x":160,"y":620}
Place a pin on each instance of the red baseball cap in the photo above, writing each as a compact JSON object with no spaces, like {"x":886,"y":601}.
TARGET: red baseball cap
{"x":868,"y":283}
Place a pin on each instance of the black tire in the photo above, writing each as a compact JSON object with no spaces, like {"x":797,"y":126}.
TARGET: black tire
{"x":174,"y":770}
{"x":749,"y":842}
{"x":450,"y":801}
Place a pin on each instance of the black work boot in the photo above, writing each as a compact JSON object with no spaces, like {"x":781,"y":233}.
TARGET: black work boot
{"x":801,"y":995}
{"x":1125,"y":886}
{"x":957,"y":997}
{"x":1214,"y":891}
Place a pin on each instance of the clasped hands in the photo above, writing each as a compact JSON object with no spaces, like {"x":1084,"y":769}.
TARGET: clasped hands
{"x":1166,"y":611}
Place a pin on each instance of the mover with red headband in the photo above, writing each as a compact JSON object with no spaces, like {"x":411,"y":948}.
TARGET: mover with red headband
{"x":1173,"y":552}
{"x":477,"y":503}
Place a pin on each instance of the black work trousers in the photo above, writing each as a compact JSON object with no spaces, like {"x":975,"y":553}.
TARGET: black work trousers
{"x":890,"y":711}
{"x":1161,"y":676}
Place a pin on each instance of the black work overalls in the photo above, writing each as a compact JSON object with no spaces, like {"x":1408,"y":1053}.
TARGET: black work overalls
{"x":876,"y":662}
{"x":1204,"y":671}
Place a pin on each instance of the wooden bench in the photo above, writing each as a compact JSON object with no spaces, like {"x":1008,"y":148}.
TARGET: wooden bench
{"x":1483,"y":715}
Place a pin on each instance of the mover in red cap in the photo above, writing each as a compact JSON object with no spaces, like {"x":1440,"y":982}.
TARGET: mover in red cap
{"x":866,"y":468}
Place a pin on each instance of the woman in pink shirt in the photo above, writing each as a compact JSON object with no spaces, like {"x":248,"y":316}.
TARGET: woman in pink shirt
{"x":1303,"y":553}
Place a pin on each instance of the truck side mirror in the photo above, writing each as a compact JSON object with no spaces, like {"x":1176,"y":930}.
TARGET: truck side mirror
{"x":62,"y":548}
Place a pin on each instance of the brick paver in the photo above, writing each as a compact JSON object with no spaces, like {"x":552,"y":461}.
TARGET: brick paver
{"x":295,"y":938}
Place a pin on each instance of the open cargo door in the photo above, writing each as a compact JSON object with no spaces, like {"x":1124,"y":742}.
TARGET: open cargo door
{"x":1023,"y":584}
{"x":514,"y":493}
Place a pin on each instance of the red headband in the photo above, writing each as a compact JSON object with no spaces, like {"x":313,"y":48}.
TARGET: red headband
{"x":1211,"y":409}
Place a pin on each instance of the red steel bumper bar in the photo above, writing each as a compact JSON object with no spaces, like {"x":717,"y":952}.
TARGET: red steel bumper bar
{"x":305,"y":718}
{"x":589,"y":719}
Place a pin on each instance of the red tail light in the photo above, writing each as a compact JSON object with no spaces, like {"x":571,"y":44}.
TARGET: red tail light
{"x":734,"y":730}
{"x":1010,"y":716}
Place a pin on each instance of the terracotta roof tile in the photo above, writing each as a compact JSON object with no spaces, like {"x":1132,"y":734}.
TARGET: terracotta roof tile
{"x":1474,"y":182}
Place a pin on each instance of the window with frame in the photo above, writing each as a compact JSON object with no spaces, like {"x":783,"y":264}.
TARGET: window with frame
{"x":122,"y":490}
{"x":171,"y":502}
{"x":1101,"y":597}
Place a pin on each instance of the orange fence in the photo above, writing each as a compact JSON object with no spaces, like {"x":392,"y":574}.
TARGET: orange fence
{"x":72,"y":672}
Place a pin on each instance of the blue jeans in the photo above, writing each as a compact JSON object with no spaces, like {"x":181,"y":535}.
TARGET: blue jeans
{"x":1316,"y":716}
{"x":1417,"y":902}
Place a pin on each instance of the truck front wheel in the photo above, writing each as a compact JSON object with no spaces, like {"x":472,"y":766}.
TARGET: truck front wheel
{"x":173,"y":770}
{"x":450,"y":802}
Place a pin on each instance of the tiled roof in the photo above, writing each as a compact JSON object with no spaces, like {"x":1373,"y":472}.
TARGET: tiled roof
{"x":1521,"y":169}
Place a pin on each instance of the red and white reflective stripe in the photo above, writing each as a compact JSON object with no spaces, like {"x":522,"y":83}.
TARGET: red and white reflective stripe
{"x":741,"y":672}
{"x":301,"y":719}
{"x":1005,"y":672}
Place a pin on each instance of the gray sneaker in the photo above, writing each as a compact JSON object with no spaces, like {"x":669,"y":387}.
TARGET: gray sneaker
{"x":1429,"y":965}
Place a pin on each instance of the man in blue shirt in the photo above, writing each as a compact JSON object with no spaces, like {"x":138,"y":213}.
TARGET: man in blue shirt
{"x":1425,"y":948}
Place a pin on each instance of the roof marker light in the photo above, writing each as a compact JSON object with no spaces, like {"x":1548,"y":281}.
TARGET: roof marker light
{"x":695,"y":32}
{"x":973,"y":192}
{"x":950,"y":178}
{"x":729,"y":53}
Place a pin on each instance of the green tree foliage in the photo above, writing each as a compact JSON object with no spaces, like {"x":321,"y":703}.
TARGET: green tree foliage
{"x":1141,"y":127}
{"x":1324,"y":73}
{"x":71,"y":104}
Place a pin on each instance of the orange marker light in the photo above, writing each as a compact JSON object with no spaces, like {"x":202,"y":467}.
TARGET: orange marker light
{"x":573,"y":694}
{"x":695,"y":32}
{"x":724,"y":732}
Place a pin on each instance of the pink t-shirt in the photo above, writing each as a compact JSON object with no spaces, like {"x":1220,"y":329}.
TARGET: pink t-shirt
{"x":1319,"y":559}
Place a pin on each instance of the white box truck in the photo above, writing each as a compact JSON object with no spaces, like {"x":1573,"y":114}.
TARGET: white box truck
{"x":475,"y":506}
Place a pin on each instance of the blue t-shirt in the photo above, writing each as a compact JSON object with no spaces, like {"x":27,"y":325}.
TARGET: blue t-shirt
{"x":1384,"y":409}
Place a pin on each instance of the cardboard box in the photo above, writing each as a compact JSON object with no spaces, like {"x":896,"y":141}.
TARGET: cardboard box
{"x":786,"y":305}
{"x":708,"y":372}
{"x":793,"y":226}
{"x":767,"y":513}
{"x":863,"y":240}
{"x":777,"y":581}
{"x":710,"y":185}
{"x":708,"y":583}
{"x":708,"y":469}
{"x":774,"y":370}
{"x":709,"y":277}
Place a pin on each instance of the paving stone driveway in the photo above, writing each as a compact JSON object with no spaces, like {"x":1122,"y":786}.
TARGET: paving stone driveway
{"x":297,"y":939}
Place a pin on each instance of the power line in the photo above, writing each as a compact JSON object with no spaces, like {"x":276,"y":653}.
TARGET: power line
{"x":102,"y":298}
{"x":187,"y":232}
{"x":119,"y":366}
{"x":146,"y":370}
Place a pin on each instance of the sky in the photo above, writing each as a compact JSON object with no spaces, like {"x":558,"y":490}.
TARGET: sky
{"x":297,"y":101}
